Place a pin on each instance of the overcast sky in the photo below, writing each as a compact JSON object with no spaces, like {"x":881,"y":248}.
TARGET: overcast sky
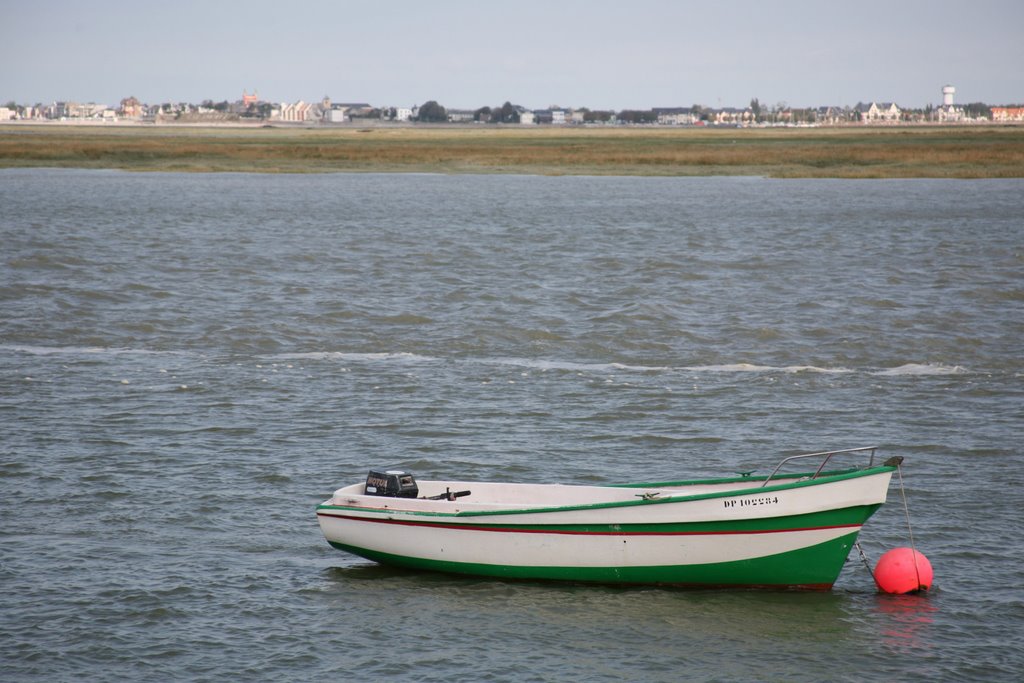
{"x":617,"y":54}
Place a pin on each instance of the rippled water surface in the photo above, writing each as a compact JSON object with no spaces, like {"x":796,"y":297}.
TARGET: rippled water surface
{"x":190,"y":363}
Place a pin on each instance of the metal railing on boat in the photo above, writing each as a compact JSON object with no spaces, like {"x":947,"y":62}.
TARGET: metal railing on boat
{"x":825,"y":457}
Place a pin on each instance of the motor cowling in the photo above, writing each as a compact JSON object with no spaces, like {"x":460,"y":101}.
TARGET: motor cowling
{"x":391,"y":483}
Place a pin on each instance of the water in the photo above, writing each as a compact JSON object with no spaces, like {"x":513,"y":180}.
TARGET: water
{"x":190,"y":363}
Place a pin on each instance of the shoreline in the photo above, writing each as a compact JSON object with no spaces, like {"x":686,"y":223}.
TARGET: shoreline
{"x":977,"y":151}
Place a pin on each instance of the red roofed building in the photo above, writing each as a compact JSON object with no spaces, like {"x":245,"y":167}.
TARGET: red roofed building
{"x":1003,"y":114}
{"x":131,"y":108}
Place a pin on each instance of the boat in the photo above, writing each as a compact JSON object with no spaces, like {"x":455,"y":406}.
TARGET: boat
{"x":783,"y":530}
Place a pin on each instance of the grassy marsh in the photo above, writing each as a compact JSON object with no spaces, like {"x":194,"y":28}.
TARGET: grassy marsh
{"x":855,"y":152}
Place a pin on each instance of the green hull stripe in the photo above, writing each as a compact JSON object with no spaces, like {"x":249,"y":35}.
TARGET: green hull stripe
{"x":816,"y":567}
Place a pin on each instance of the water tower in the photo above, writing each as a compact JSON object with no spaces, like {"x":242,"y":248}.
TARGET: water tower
{"x":947,"y":95}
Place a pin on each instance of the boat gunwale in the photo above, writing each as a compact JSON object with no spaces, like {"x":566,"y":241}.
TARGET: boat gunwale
{"x":743,"y":478}
{"x":802,"y":481}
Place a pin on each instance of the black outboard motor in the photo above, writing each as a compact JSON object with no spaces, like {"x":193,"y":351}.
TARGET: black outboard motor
{"x":392,"y":483}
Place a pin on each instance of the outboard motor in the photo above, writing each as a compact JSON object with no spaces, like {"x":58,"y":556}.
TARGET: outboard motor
{"x":392,"y":483}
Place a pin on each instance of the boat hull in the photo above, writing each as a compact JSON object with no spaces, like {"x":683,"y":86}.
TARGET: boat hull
{"x":792,"y":535}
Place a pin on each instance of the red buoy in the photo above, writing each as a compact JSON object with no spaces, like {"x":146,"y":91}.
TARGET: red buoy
{"x":903,"y":570}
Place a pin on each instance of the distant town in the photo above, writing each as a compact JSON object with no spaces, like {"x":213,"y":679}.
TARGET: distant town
{"x":250,"y":109}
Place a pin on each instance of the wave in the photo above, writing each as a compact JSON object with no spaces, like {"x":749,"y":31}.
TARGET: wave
{"x":623,"y":367}
{"x":921,"y":369}
{"x":541,"y":364}
{"x":748,"y":367}
{"x":83,"y":350}
{"x":544,"y":365}
{"x":909,"y":369}
{"x":350,"y":356}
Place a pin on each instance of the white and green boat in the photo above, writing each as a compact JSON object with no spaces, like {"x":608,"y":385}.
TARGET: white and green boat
{"x":781,"y":530}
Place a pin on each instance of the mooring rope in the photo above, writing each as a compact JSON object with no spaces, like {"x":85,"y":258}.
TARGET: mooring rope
{"x":910,"y":530}
{"x":867,"y":563}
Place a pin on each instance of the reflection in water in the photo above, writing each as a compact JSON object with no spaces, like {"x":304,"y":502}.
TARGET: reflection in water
{"x":907,"y":620}
{"x":781,"y":615}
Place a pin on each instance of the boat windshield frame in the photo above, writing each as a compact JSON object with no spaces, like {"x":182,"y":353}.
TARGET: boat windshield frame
{"x":825,"y":456}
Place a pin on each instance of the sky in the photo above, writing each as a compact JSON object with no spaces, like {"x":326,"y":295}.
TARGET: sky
{"x":465,"y":54}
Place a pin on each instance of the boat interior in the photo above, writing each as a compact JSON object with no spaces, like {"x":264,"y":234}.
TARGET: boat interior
{"x":412,"y":494}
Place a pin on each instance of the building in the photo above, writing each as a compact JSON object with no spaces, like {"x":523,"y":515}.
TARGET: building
{"x":460,"y":115}
{"x":131,"y":108}
{"x":297,"y":112}
{"x":1007,"y":114}
{"x":354,"y":110}
{"x":831,"y":115}
{"x":335,"y":115}
{"x":540,"y":116}
{"x":731,"y":116}
{"x":63,"y":110}
{"x":75,"y":110}
{"x":947,"y":111}
{"x":675,"y":116}
{"x":341,"y":112}
{"x":878,"y":112}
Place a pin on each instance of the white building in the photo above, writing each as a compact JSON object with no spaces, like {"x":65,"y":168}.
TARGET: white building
{"x":879,"y":112}
{"x":949,"y":114}
{"x":295,"y":112}
{"x":460,"y":115}
{"x":675,"y":116}
{"x":335,"y":115}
